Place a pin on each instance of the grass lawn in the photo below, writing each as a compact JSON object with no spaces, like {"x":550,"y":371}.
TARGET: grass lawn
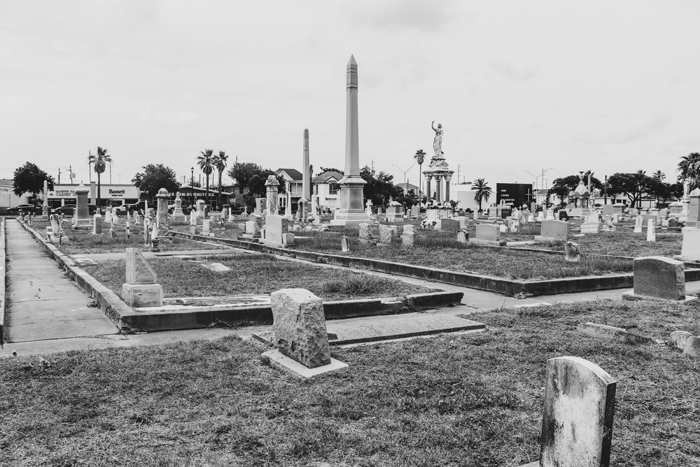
{"x":255,"y":274}
{"x":470,"y":400}
{"x":441,"y":250}
{"x":83,"y":242}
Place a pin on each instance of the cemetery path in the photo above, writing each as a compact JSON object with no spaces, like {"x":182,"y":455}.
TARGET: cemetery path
{"x":41,"y":302}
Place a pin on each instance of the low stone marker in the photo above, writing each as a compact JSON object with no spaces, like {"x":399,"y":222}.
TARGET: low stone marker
{"x":658,"y":277}
{"x":387,"y":234}
{"x":97,"y":224}
{"x":463,"y":236}
{"x":140,"y":289}
{"x":571,"y":252}
{"x":300,"y":334}
{"x":206,"y":225}
{"x":553,"y":230}
{"x":577,"y":422}
{"x":680,"y":338}
{"x":344,"y":244}
{"x":692,"y":347}
{"x":408,"y":238}
{"x":252,"y":228}
{"x":603,"y":331}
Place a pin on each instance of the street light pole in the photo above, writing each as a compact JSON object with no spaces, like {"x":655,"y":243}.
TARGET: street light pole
{"x":404,"y":176}
{"x":192,"y":184}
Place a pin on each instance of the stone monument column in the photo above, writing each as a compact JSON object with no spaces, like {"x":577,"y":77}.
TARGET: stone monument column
{"x":306,"y":181}
{"x":82,"y":210}
{"x":428,"y":177}
{"x":438,"y":188}
{"x":162,"y":208}
{"x":447,"y":187}
{"x":272,"y":186}
{"x":351,"y":185}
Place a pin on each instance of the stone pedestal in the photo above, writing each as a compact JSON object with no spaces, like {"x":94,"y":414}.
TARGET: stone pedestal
{"x":82,"y":210}
{"x":162,"y":209}
{"x":178,"y":215}
{"x":142,"y":295}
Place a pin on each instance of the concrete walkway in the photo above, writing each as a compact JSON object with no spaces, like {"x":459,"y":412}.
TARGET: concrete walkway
{"x":42,"y":304}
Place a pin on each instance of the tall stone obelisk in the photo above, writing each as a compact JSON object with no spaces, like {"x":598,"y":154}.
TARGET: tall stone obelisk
{"x":351,"y":185}
{"x":306,"y":183}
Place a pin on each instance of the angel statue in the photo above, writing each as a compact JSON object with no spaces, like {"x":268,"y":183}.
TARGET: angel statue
{"x":437,"y":141}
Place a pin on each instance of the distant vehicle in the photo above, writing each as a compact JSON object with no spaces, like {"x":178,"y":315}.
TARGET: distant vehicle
{"x":69,"y":209}
{"x":25,"y":209}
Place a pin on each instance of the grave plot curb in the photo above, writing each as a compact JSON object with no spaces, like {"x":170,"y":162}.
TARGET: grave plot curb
{"x":3,"y":267}
{"x":129,"y":320}
{"x":174,"y":319}
{"x":472,"y":281}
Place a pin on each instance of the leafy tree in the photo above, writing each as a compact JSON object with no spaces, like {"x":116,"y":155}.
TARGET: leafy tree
{"x":329,"y":169}
{"x":220,"y":164}
{"x":633,"y":185}
{"x":689,"y":169}
{"x":242,"y":172}
{"x":30,"y":179}
{"x":252,"y":178}
{"x":205,"y":161}
{"x":483,"y":191}
{"x":99,"y":163}
{"x":380,"y":187}
{"x":561,"y":187}
{"x":155,"y":177}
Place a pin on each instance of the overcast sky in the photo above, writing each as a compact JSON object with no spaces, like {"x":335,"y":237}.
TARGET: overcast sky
{"x":610,"y":86}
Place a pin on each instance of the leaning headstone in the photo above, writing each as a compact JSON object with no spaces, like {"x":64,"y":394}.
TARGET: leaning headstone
{"x":571,"y":252}
{"x":658,"y":277}
{"x":577,"y":422}
{"x":140,"y":289}
{"x":300,"y":327}
{"x":553,"y":230}
{"x":651,"y":230}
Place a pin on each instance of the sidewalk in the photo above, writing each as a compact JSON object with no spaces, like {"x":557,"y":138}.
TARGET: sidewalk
{"x":43,"y":304}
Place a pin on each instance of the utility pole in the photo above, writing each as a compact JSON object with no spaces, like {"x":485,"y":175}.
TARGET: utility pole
{"x":458,"y":169}
{"x":59,"y":175}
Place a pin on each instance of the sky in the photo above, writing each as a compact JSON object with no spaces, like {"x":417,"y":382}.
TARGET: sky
{"x":520,"y":87}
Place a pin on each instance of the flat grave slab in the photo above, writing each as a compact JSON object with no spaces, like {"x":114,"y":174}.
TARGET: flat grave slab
{"x":205,"y":303}
{"x":280,"y":361}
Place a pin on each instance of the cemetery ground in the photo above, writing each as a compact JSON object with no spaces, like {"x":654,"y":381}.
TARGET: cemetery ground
{"x":460,"y":400}
{"x":254,"y":274}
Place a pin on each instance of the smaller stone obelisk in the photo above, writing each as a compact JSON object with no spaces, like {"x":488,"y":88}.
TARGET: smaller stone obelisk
{"x":351,"y":185}
{"x":45,"y":206}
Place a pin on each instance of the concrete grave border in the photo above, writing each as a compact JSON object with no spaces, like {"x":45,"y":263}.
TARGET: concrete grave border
{"x":3,"y":266}
{"x":129,"y":320}
{"x":473,"y":281}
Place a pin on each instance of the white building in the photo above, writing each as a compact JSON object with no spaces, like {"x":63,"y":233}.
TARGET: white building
{"x":325,"y":187}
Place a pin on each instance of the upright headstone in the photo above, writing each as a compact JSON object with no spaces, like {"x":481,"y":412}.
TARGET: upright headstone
{"x":300,"y":327}
{"x":651,"y":230}
{"x":488,"y":233}
{"x":178,"y":215}
{"x":449,"y":225}
{"x":162,"y":209}
{"x":271,"y":189}
{"x":45,"y":204}
{"x":344,"y":244}
{"x":690,"y":249}
{"x":82,"y":211}
{"x":693,"y":209}
{"x":659,"y":277}
{"x":638,"y":224}
{"x":553,"y":230}
{"x":97,"y":224}
{"x":577,"y":422}
{"x":200,"y":207}
{"x":206,"y":224}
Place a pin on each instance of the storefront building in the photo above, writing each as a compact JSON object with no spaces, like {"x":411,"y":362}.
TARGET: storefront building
{"x":110,"y":194}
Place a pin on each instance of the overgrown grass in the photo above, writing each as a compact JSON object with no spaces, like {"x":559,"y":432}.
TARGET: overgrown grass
{"x":255,"y":274}
{"x":454,"y":400}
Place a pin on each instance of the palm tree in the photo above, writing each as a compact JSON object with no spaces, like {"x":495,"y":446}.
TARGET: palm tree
{"x":205,"y":161}
{"x":99,"y":162}
{"x":689,"y":169}
{"x":483,"y":191}
{"x":420,"y":157}
{"x":219,"y":162}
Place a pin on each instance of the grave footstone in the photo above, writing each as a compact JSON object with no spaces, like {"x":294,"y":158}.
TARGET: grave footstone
{"x":141,"y":288}
{"x":577,"y":422}
{"x":300,"y":327}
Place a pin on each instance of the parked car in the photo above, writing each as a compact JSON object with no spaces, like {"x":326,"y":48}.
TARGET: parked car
{"x":25,"y":209}
{"x":69,"y":210}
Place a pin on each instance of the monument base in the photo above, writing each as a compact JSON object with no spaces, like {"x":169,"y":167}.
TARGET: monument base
{"x":350,"y":219}
{"x":142,"y":295}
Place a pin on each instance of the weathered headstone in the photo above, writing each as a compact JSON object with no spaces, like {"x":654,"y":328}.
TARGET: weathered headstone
{"x":571,"y":252}
{"x":345,"y":244}
{"x":252,"y":228}
{"x":577,"y":422}
{"x":690,"y":249}
{"x":408,"y":239}
{"x":680,"y":338}
{"x":638,"y":224}
{"x":300,"y":327}
{"x":463,"y":236}
{"x":206,"y":225}
{"x":162,"y":209}
{"x":692,"y":347}
{"x":659,"y":277}
{"x":97,"y":224}
{"x":387,"y":234}
{"x":140,"y":289}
